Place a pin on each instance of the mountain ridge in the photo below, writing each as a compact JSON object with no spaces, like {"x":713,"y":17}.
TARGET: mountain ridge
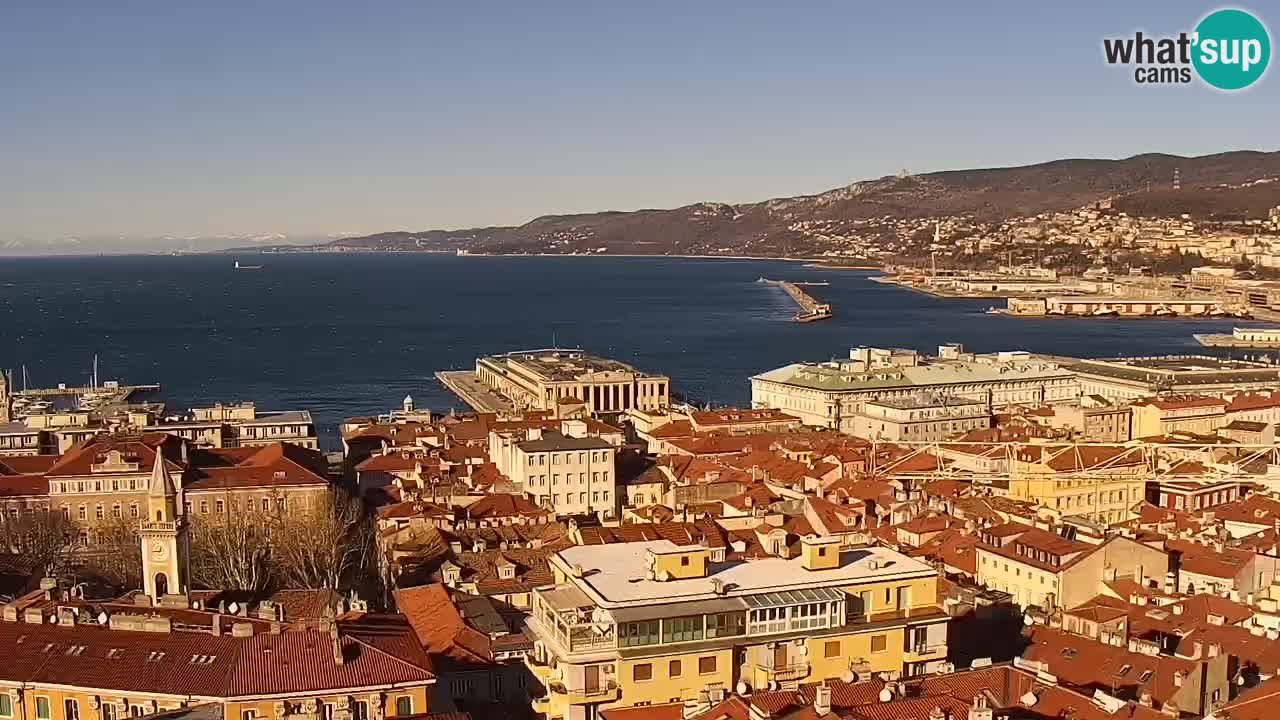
{"x":813,"y":224}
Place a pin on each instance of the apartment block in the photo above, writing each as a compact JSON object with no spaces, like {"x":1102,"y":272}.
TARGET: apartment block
{"x":653,"y":622}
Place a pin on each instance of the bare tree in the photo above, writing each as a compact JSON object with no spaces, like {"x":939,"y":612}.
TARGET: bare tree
{"x":324,"y":546}
{"x":117,"y":558}
{"x":231,"y":551}
{"x":43,"y":537}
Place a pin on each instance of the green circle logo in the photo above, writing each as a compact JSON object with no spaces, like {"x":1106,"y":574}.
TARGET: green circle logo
{"x":1232,"y":49}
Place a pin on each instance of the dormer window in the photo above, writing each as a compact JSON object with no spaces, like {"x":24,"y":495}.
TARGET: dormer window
{"x":507,"y":572}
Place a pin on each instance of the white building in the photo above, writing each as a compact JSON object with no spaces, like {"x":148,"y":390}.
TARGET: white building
{"x":920,"y":418}
{"x":543,"y":379}
{"x":565,"y":471}
{"x":832,"y":394}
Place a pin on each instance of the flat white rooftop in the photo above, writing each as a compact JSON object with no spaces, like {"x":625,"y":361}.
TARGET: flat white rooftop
{"x":614,"y":574}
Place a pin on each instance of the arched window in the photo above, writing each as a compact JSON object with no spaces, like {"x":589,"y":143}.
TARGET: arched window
{"x":162,"y":585}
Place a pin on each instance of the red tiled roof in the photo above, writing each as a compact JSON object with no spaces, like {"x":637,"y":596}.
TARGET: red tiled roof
{"x":27,"y":464}
{"x":1254,"y":401}
{"x":1082,"y":662}
{"x":673,"y":429}
{"x":202,"y":664}
{"x":1181,"y":402}
{"x":277,"y":465}
{"x":439,"y":626}
{"x":24,"y":486}
{"x":1201,"y":560}
{"x":680,"y":533}
{"x":502,"y":505}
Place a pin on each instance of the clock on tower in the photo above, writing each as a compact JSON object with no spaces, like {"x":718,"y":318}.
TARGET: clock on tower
{"x":163,"y":535}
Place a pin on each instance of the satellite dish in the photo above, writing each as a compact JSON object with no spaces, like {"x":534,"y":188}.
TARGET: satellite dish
{"x":1026,"y":620}
{"x":743,"y":688}
{"x":102,"y":618}
{"x":233,"y":608}
{"x":886,"y":694}
{"x":849,"y":676}
{"x":1028,"y":699}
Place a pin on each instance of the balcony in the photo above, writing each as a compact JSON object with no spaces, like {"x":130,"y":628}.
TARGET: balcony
{"x":785,"y":673}
{"x":587,"y":695}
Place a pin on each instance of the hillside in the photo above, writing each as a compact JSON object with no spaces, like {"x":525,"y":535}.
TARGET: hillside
{"x":1220,"y":186}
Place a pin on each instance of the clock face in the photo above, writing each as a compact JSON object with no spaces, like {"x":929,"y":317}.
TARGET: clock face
{"x":159,"y":550}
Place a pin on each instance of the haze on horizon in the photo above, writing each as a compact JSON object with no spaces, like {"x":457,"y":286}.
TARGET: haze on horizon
{"x":150,"y":125}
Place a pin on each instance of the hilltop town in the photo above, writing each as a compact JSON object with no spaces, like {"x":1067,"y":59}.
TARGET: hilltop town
{"x":896,"y":534}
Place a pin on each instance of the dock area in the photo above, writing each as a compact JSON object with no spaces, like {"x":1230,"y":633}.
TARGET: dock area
{"x":475,"y":394}
{"x":1256,"y":338}
{"x":810,"y":309}
{"x":122,"y":392}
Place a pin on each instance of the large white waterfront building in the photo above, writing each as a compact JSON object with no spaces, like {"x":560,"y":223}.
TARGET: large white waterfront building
{"x":833,"y":394}
{"x":544,"y":379}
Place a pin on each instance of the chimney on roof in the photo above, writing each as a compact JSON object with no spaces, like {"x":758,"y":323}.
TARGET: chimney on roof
{"x":242,"y":630}
{"x":980,"y":710}
{"x":66,"y":616}
{"x":216,"y":624}
{"x":822,"y":700}
{"x":335,"y":641}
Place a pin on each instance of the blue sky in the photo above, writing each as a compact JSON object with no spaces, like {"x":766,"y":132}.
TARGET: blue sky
{"x":180,"y":118}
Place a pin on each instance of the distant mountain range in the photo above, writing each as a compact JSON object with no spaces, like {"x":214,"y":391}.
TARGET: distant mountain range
{"x":1226,"y":186}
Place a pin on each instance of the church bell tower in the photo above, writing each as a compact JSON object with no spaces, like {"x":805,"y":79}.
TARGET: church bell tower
{"x":163,"y":537}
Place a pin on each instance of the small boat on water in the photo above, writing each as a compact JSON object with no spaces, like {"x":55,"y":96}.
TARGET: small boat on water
{"x":1106,"y":312}
{"x":993,"y":310}
{"x":1163,"y":311}
{"x":239,"y":266}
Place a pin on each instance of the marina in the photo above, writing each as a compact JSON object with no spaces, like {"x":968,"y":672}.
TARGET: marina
{"x":97,"y":399}
{"x":810,"y":309}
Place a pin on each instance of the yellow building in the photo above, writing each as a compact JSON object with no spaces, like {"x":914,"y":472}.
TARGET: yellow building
{"x":1099,"y":483}
{"x":1042,"y":569}
{"x":1198,"y":414}
{"x":655,"y":622}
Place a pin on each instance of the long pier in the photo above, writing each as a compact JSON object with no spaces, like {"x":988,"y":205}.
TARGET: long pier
{"x":475,"y":394}
{"x":810,"y":309}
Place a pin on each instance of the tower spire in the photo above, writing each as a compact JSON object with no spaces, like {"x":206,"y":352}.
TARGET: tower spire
{"x":161,"y":484}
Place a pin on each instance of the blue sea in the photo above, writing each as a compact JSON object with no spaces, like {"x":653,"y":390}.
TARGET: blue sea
{"x":351,"y":334}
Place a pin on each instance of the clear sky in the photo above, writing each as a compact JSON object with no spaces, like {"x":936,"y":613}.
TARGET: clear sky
{"x":332,"y":116}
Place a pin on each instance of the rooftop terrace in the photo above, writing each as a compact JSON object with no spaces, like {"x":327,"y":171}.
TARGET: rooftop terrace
{"x":615,"y":575}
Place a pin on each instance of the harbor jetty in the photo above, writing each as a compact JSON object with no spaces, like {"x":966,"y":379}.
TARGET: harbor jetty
{"x":810,"y":309}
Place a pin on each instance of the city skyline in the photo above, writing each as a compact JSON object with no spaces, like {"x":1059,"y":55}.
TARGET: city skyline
{"x":194,"y":123}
